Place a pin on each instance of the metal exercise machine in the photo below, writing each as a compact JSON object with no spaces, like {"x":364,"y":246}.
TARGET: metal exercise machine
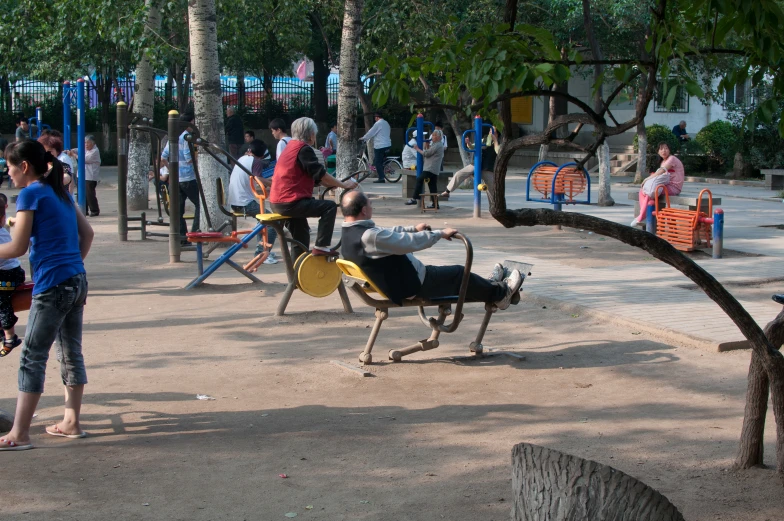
{"x":73,"y":96}
{"x":361,"y":284}
{"x":314,"y":275}
{"x":479,"y":186}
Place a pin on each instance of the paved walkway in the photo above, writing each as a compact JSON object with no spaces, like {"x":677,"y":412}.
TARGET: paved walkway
{"x":645,"y":296}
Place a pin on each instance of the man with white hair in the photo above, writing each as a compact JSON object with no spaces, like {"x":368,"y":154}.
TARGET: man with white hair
{"x":297,"y":172}
{"x":680,"y":131}
{"x":433,"y":157}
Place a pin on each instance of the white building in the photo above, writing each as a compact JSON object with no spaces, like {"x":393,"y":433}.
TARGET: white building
{"x":685,"y":108}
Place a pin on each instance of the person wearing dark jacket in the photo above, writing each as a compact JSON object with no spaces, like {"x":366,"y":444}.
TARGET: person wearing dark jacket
{"x":386,"y":257}
{"x":234,"y":131}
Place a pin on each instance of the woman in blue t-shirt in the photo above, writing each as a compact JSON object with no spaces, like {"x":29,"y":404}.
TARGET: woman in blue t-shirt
{"x":59,"y":237}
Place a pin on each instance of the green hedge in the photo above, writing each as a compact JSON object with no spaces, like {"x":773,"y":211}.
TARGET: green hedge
{"x":720,"y":140}
{"x":658,"y":134}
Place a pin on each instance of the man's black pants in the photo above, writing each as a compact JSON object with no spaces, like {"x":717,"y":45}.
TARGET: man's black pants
{"x":92,"y":199}
{"x":432,"y":183}
{"x":444,"y":281}
{"x":379,"y":156}
{"x":298,"y":225}
{"x":189,"y":190}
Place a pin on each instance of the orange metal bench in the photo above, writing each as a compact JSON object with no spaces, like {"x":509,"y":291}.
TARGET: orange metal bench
{"x":686,"y":230}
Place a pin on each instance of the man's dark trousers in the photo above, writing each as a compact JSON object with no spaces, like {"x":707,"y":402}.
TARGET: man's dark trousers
{"x":189,"y":190}
{"x":444,"y":281}
{"x":300,"y":210}
{"x":379,"y":156}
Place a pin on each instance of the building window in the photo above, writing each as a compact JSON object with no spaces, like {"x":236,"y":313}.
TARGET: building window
{"x":737,"y":95}
{"x":679,"y":104}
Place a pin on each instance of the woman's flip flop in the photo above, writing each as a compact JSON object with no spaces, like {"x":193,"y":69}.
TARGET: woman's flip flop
{"x":54,"y":430}
{"x":12,"y":445}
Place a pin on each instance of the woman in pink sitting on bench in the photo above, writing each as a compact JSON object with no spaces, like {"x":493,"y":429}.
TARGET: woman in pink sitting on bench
{"x":670,"y":175}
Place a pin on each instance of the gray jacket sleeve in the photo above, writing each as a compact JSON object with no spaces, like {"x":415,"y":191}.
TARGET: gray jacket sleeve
{"x":433,"y":150}
{"x":380,"y":242}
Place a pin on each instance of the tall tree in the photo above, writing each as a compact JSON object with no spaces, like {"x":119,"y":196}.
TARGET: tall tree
{"x":143,"y":100}
{"x":494,"y":61}
{"x":349,"y":87}
{"x":207,"y":96}
{"x":605,"y":199}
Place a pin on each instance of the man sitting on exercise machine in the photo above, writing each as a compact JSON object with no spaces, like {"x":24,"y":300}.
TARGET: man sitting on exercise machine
{"x":386,"y":256}
{"x":297,"y":171}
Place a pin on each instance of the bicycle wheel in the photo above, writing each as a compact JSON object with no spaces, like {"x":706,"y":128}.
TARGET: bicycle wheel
{"x":393,"y":170}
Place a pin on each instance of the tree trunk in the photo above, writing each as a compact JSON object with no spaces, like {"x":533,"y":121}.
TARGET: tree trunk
{"x":207,"y":97}
{"x":240,"y":92}
{"x":184,"y":88}
{"x":559,"y":107}
{"x":738,"y":167}
{"x":367,"y":115}
{"x":104,"y":88}
{"x":458,"y":129}
{"x":349,"y":87}
{"x":751,"y":449}
{"x":769,"y":357}
{"x":547,"y":484}
{"x":642,"y":152}
{"x":144,"y":100}
{"x":543,"y":151}
{"x":320,"y":99}
{"x":505,"y":107}
{"x":167,"y":89}
{"x":605,"y":199}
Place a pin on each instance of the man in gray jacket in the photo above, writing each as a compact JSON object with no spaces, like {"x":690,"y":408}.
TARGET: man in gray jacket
{"x":386,"y":256}
{"x":433,"y":156}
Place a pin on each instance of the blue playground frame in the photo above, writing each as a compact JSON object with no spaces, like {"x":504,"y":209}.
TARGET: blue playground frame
{"x":479,"y":125}
{"x":557,"y":200}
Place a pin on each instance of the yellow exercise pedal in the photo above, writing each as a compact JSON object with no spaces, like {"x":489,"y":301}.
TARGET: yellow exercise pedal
{"x":316,"y":276}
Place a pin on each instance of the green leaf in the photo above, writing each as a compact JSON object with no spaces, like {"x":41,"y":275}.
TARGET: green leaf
{"x":492,"y":91}
{"x":671,"y":96}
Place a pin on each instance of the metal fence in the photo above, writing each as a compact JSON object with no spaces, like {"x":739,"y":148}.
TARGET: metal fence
{"x":288,"y":94}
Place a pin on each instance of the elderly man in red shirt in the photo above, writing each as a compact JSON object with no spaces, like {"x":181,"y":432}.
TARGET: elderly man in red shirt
{"x":297,"y":172}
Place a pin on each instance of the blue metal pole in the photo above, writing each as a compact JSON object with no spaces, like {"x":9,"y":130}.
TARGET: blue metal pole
{"x":420,"y":140}
{"x":80,"y":123}
{"x":718,"y":233}
{"x":39,"y":116}
{"x":477,"y":165}
{"x":67,"y":115}
{"x":650,"y":219}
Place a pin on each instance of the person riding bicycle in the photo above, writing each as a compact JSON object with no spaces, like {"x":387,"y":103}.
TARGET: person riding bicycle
{"x":382,"y":142}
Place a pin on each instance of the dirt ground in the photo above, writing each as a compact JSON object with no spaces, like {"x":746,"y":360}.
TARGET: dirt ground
{"x":426,"y":439}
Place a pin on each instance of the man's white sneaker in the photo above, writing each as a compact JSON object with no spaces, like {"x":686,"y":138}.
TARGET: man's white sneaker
{"x":497,"y":275}
{"x":513,"y":284}
{"x":270,"y":260}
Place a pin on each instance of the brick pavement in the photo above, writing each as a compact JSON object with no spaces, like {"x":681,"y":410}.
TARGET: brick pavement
{"x":653,"y":297}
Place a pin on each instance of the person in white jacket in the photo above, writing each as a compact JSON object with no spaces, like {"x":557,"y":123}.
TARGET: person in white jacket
{"x":380,"y":132}
{"x":92,"y":173}
{"x":409,"y":154}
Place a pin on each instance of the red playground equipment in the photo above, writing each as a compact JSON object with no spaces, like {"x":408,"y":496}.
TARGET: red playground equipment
{"x":686,"y":230}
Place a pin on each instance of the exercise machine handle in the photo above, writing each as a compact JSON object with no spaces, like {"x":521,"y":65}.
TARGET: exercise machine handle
{"x":463,"y":286}
{"x":361,"y":175}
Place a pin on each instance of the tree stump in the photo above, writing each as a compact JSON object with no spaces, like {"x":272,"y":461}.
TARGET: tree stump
{"x":553,"y":486}
{"x":6,"y":421}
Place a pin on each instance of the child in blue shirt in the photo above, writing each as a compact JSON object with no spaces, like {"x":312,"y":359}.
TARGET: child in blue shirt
{"x":11,"y":275}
